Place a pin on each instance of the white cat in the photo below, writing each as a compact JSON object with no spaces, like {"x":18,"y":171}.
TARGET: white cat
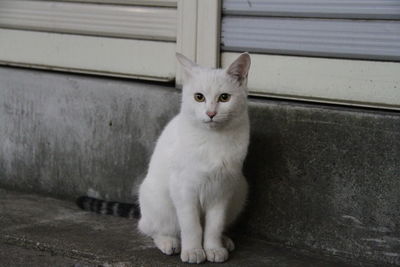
{"x":194,"y":187}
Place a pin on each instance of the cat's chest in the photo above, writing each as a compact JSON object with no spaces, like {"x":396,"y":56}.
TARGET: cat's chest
{"x":219,"y":149}
{"x":213,"y":152}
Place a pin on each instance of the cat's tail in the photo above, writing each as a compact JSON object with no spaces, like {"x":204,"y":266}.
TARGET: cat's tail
{"x":109,"y":207}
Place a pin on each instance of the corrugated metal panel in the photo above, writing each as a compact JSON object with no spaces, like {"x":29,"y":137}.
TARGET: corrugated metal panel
{"x":151,"y":23}
{"x":315,"y":37}
{"x":376,"y":9}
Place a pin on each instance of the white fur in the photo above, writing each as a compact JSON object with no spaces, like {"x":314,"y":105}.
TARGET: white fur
{"x":194,"y":187}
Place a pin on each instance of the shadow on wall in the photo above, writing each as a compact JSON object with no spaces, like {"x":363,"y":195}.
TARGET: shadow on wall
{"x":264,"y":168}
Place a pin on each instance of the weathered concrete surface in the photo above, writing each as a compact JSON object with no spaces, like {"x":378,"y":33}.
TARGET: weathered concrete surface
{"x":326,"y":178}
{"x":64,"y":134}
{"x":50,"y":232}
{"x":15,"y":256}
{"x":322,"y":178}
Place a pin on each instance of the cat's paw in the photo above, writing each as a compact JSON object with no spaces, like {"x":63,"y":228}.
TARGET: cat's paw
{"x":228,"y":243}
{"x":167,"y":244}
{"x":195,"y":255}
{"x":217,"y":254}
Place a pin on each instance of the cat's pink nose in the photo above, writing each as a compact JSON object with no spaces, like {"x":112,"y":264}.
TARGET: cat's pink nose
{"x":211,"y":114}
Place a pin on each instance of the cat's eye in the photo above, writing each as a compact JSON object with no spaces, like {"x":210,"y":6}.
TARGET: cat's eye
{"x":199,"y":97}
{"x":224,"y":98}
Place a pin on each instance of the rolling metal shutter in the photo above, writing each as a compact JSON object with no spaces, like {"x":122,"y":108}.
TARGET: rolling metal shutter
{"x":331,"y":51}
{"x":137,"y":22}
{"x":356,"y":29}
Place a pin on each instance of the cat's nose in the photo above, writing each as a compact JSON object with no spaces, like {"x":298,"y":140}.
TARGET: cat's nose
{"x":211,"y":114}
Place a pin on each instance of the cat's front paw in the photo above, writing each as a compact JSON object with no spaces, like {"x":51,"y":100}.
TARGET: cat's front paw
{"x":217,"y":254}
{"x":168,"y":245}
{"x":228,"y":243}
{"x":195,"y":255}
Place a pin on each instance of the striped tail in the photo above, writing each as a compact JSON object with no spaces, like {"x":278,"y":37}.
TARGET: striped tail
{"x":109,"y":207}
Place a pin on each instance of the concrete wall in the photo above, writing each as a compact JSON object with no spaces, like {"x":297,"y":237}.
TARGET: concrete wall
{"x":64,"y":134}
{"x":327,"y":178}
{"x":322,"y":178}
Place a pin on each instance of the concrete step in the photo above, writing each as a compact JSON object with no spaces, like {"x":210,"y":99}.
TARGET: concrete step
{"x":42,"y":231}
{"x":17,"y":256}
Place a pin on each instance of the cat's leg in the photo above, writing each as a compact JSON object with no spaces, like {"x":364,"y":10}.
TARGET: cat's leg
{"x":164,"y":231}
{"x":158,"y":219}
{"x":213,"y":238}
{"x":187,"y":209}
{"x":236,"y":205}
{"x":191,"y":233}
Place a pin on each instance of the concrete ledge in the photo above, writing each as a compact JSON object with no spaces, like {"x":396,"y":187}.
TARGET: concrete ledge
{"x":47,"y":231}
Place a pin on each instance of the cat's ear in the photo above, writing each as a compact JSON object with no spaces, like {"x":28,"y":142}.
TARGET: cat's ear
{"x":239,"y":69}
{"x":186,"y":64}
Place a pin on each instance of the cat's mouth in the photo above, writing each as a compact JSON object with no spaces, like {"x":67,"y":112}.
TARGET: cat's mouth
{"x":211,"y":123}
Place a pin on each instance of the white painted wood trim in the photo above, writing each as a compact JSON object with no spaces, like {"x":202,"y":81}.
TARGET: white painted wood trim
{"x":107,"y":56}
{"x":186,"y":33}
{"x":208,"y":33}
{"x":164,"y":3}
{"x":139,"y":22}
{"x":198,"y":33}
{"x":351,"y":82}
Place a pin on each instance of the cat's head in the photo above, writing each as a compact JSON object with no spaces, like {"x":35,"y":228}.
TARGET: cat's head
{"x":215,"y":98}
